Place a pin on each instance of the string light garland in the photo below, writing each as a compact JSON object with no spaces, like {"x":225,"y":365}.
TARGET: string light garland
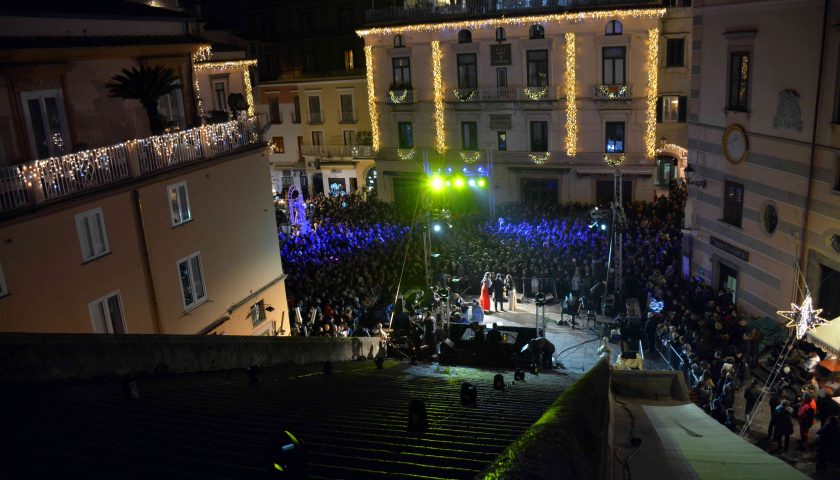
{"x":470,"y":157}
{"x":202,"y":54}
{"x":200,"y":64}
{"x":226,"y":65}
{"x":803,"y":317}
{"x":437,"y":82}
{"x":571,"y":104}
{"x":406,"y":153}
{"x":652,"y":91}
{"x":612,"y":92}
{"x":398,"y":97}
{"x":614,"y":161}
{"x":682,"y":152}
{"x":538,"y":158}
{"x":536,"y":93}
{"x":374,"y":113}
{"x":464,"y":94}
{"x":477,"y":24}
{"x":249,"y":93}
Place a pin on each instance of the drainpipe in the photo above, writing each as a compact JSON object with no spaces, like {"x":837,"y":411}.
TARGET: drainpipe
{"x":803,"y":236}
{"x":147,"y":266}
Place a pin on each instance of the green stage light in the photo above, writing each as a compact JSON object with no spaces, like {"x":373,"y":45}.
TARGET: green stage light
{"x":459,"y":182}
{"x":436,"y":183}
{"x":482,"y":183}
{"x":471,"y":182}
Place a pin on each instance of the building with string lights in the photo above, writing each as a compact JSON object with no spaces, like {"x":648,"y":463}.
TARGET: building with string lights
{"x":105,"y":226}
{"x":543,"y":99}
{"x":763,"y":141}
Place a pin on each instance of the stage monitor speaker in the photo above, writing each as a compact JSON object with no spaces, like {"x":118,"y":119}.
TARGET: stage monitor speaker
{"x":417,"y":420}
{"x":328,"y":368}
{"x":288,"y":456}
{"x":499,"y":382}
{"x":519,"y":375}
{"x":469,"y":395}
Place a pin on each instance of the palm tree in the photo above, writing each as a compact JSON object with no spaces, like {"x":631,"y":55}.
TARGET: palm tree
{"x":146,"y":84}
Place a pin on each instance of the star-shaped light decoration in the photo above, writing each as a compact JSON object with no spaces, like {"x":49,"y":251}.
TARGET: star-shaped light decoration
{"x":804,"y":317}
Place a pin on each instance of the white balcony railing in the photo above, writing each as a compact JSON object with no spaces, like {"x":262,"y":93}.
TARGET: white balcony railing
{"x":42,"y":180}
{"x":398,"y":97}
{"x":501,"y":94}
{"x":337,"y":151}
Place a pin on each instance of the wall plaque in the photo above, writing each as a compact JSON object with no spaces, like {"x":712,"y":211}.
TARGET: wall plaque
{"x":500,"y":122}
{"x":729,"y":248}
{"x":500,"y":54}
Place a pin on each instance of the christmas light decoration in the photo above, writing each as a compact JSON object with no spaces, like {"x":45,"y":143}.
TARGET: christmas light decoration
{"x":470,"y":157}
{"x":656,"y":306}
{"x":476,"y":24}
{"x":202,"y":54}
{"x":571,"y":105}
{"x":226,"y":65}
{"x":536,"y":93}
{"x":539,"y":158}
{"x":374,"y":113}
{"x":804,"y":317}
{"x":437,"y":82}
{"x":612,"y":92}
{"x":652,"y":91}
{"x":406,"y":154}
{"x":464,"y":94}
{"x":682,"y":152}
{"x":249,"y":94}
{"x":398,"y":97}
{"x":200,"y":65}
{"x":614,"y":162}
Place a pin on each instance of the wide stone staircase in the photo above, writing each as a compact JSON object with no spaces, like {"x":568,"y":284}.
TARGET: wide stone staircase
{"x":353,"y":423}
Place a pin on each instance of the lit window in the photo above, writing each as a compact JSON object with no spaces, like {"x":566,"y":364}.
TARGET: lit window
{"x":739,"y":81}
{"x":348,"y":59}
{"x":179,"y":203}
{"x":192,"y":281}
{"x":614,"y":137}
{"x":670,"y":108}
{"x":613,"y":28}
{"x":536,"y":32}
{"x":93,"y":238}
{"x":278,"y":145}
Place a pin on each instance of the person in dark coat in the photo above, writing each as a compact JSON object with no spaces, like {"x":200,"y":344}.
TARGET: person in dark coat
{"x":775,"y":400}
{"x":828,"y":443}
{"x":498,"y":292}
{"x":751,"y":395}
{"x":784,"y":424}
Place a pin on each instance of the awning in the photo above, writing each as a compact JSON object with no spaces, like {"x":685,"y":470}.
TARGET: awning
{"x":826,"y":336}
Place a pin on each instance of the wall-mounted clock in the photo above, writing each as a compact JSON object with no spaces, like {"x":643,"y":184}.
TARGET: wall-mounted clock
{"x":736,"y":146}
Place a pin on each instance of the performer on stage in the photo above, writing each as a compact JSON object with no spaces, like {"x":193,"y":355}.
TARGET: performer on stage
{"x":510,"y":286}
{"x":484,"y":300}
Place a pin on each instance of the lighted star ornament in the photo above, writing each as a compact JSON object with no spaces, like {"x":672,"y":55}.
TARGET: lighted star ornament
{"x":804,"y":317}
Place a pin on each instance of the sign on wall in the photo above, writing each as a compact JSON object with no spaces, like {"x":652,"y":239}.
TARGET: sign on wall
{"x":500,"y":54}
{"x":500,"y":122}
{"x":729,"y":248}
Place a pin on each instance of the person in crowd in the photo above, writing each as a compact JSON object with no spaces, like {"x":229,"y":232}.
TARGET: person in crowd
{"x":751,"y":395}
{"x":535,"y":285}
{"x":783,"y":425}
{"x":774,"y":401}
{"x":806,"y":415}
{"x":484,"y":298}
{"x":810,"y":364}
{"x":828,"y":443}
{"x":730,"y":422}
{"x":477,"y":313}
{"x":498,"y":293}
{"x":510,"y":288}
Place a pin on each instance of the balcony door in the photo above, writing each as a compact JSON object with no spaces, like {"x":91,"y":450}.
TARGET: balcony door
{"x":46,"y":123}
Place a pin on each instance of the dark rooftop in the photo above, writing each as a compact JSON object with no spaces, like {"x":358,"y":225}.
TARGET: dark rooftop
{"x":214,"y":425}
{"x":76,"y":41}
{"x":88,"y":9}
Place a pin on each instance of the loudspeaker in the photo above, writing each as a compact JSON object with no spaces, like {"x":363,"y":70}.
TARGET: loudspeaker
{"x":469,"y":394}
{"x":519,"y":375}
{"x":379,"y":361}
{"x":328,"y":368}
{"x":499,"y":382}
{"x":417,"y":420}
{"x":287,"y":456}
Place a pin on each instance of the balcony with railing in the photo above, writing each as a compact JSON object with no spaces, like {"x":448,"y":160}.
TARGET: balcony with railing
{"x":316,"y":118}
{"x":424,"y":11}
{"x":337,"y":152}
{"x":612,"y":93}
{"x":501,"y":94}
{"x":41,"y":181}
{"x":347,"y":117}
{"x":400,"y":96}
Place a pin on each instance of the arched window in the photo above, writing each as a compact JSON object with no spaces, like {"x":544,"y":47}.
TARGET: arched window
{"x":536,"y":31}
{"x":613,"y":28}
{"x":501,"y":36}
{"x":398,"y":41}
{"x":464,"y":36}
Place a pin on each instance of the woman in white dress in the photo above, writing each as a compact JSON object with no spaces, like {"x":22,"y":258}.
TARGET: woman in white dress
{"x":510,"y":286}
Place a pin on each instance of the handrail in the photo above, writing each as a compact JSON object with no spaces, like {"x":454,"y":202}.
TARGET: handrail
{"x":38,"y":181}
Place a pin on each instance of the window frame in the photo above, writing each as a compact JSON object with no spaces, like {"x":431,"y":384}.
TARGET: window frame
{"x":176,"y":188}
{"x":403,"y":69}
{"x":94,"y":212}
{"x":399,"y":41}
{"x":670,"y":53}
{"x":257,"y":310}
{"x":464,"y":36}
{"x":670,"y":114}
{"x":536,"y":63}
{"x":351,"y":138}
{"x":320,"y":112}
{"x":501,"y":140}
{"x":612,"y":69}
{"x":319,"y":134}
{"x":473,"y":125}
{"x":407,"y":135}
{"x":739,"y":104}
{"x":531,"y":138}
{"x":607,"y":128}
{"x":274,"y":145}
{"x":275,"y":116}
{"x":348,"y":59}
{"x":501,"y":34}
{"x":4,"y":288}
{"x":109,"y":322}
{"x":296,"y":113}
{"x":661,"y":161}
{"x":536,"y":32}
{"x":610,"y":30}
{"x":469,"y":72}
{"x":225,"y":82}
{"x":730,"y":215}
{"x":501,"y":77}
{"x":342,"y":112}
{"x":197,"y":301}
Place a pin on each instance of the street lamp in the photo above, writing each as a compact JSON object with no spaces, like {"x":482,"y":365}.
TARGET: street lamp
{"x":689,"y":172}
